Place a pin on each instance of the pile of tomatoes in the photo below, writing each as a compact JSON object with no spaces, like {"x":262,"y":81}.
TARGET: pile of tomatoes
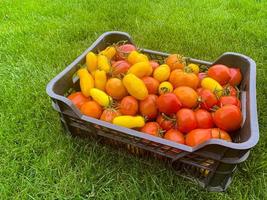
{"x":172,"y":100}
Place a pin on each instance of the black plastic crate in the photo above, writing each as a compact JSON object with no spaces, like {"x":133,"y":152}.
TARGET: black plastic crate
{"x":211,"y":164}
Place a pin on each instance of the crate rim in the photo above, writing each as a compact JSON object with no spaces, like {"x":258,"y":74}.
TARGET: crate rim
{"x":251,"y":142}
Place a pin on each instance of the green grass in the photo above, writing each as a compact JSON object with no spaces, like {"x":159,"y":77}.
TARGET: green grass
{"x":38,"y":39}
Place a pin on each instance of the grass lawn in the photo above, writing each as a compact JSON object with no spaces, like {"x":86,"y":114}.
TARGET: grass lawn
{"x":38,"y":39}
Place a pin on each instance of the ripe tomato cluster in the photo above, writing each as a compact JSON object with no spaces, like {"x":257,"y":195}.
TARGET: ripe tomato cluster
{"x":174,"y":100}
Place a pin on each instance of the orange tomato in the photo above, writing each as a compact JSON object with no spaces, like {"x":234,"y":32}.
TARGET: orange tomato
{"x":115,"y":88}
{"x":152,"y":84}
{"x":187,"y":96}
{"x":91,"y":109}
{"x":175,"y":61}
{"x":197,"y":136}
{"x":78,"y":99}
{"x":109,"y":114}
{"x":129,"y":106}
{"x":217,"y":133}
{"x":174,"y":135}
{"x":181,"y":78}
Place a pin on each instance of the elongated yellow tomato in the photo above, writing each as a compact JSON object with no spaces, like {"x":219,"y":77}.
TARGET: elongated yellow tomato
{"x":135,"y":57}
{"x":86,"y":81}
{"x":100,"y":97}
{"x":91,"y":61}
{"x":212,"y":85}
{"x":109,"y":52}
{"x":129,"y":121}
{"x":93,"y":73}
{"x":135,"y":86}
{"x":194,"y":68}
{"x":103,"y":63}
{"x":141,"y":69}
{"x":165,"y":87}
{"x":162,"y":73}
{"x":100,"y":79}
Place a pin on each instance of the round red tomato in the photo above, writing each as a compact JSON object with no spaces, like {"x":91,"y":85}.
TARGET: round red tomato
{"x":186,"y":120}
{"x":148,"y":107}
{"x":197,"y":136}
{"x":152,"y":128}
{"x":207,"y":99}
{"x":154,"y":64}
{"x":166,"y":122}
{"x":109,"y":114}
{"x":78,"y":99}
{"x":228,"y":118}
{"x":204,"y":119}
{"x":168,"y":103}
{"x":236,"y":76}
{"x":152,"y":84}
{"x":175,"y":136}
{"x":229,"y":100}
{"x":124,"y":50}
{"x":129,"y":106}
{"x":220,"y":73}
{"x":120,"y":67}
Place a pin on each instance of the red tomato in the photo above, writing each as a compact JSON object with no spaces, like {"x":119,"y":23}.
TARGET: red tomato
{"x":124,"y":50}
{"x":229,"y":90}
{"x":217,"y":133}
{"x":207,"y":99}
{"x":236,"y":76}
{"x":152,"y":128}
{"x":220,"y":73}
{"x":148,"y":107}
{"x":120,"y":67}
{"x":204,"y":119}
{"x":78,"y":99}
{"x":154,"y":64}
{"x":228,"y":118}
{"x":186,"y":120}
{"x":166,"y":122}
{"x":152,"y":84}
{"x":129,"y":106}
{"x":168,"y":103}
{"x":109,"y":114}
{"x":229,"y":100}
{"x":197,"y":136}
{"x":175,"y":136}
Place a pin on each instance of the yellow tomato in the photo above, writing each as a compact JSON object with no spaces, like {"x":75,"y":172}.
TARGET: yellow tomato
{"x":91,"y":61}
{"x":135,"y":86}
{"x":86,"y":81}
{"x":212,"y":85}
{"x":165,"y":87}
{"x":100,"y":97}
{"x":109,"y":52}
{"x":194,"y":68}
{"x":103,"y":63}
{"x":162,"y":73}
{"x":129,"y":121}
{"x":141,"y":69}
{"x":135,"y":57}
{"x":100,"y":77}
